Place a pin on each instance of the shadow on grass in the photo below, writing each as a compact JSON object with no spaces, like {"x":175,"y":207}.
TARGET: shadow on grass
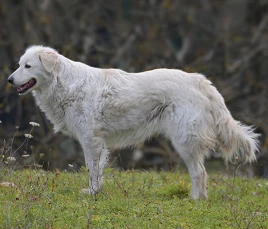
{"x":175,"y":192}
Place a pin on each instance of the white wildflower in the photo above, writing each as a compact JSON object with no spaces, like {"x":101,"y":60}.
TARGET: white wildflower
{"x":70,"y":165}
{"x":25,"y":155}
{"x":11,"y":159}
{"x":41,"y":155}
{"x":34,"y":124}
{"x":8,"y":184}
{"x":257,"y":213}
{"x":28,"y":136}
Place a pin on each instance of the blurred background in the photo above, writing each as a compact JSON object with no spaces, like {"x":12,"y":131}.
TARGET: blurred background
{"x":227,"y":40}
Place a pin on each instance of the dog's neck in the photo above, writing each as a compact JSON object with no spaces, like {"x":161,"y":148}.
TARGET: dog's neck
{"x":52,"y":107}
{"x":62,"y":94}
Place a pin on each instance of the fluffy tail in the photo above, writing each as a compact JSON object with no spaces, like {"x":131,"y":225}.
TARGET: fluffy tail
{"x":236,"y":140}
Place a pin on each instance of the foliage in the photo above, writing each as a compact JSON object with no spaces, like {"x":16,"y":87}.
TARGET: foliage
{"x":130,"y":199}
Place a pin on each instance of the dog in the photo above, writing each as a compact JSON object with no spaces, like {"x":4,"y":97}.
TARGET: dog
{"x":104,"y":108}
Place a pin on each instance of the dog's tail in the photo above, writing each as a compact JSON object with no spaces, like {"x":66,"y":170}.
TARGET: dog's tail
{"x":236,"y":140}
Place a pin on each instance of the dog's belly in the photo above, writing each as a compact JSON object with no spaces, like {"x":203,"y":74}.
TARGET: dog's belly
{"x":121,"y":140}
{"x":135,"y":125}
{"x":124,"y":138}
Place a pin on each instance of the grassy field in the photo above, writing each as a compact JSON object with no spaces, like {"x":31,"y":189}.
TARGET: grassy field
{"x":130,"y":199}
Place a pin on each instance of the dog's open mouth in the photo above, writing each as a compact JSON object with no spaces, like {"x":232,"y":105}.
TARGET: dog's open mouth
{"x":25,"y":87}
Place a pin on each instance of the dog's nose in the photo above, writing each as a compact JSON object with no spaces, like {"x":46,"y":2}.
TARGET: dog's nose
{"x":10,"y":79}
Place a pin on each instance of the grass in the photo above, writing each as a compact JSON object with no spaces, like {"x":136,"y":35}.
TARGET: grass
{"x":130,"y":199}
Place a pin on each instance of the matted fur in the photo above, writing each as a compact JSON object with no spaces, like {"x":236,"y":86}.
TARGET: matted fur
{"x":111,"y":108}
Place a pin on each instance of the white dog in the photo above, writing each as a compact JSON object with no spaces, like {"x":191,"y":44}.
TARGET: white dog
{"x":111,"y":108}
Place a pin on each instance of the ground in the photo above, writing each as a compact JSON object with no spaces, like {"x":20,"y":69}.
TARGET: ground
{"x":130,"y":199}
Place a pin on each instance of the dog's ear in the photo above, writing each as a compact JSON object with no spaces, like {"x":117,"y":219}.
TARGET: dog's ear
{"x":48,"y":60}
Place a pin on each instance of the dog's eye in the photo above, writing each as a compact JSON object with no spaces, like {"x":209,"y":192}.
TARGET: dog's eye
{"x":27,"y":66}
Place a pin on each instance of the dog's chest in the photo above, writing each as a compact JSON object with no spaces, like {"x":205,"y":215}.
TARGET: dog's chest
{"x":54,"y":111}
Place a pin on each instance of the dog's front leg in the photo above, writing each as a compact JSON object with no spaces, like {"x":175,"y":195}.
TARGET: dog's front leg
{"x":96,"y":157}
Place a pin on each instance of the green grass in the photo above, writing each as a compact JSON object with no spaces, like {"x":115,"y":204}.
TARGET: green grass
{"x":130,"y":199}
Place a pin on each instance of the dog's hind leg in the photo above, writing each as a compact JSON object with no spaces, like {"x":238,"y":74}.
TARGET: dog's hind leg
{"x":196,"y":169}
{"x":198,"y":177}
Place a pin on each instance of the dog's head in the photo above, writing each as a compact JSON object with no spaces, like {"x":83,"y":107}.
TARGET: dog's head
{"x":35,"y":68}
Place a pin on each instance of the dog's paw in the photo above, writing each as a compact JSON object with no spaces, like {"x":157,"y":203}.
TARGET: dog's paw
{"x":89,"y":191}
{"x":85,"y":191}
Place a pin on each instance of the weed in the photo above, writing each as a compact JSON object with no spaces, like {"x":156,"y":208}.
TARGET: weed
{"x":14,"y":159}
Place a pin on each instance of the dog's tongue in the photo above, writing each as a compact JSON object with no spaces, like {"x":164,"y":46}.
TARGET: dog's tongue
{"x":26,"y":86}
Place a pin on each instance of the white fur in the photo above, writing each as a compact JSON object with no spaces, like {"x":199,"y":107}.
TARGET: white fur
{"x":111,"y":108}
